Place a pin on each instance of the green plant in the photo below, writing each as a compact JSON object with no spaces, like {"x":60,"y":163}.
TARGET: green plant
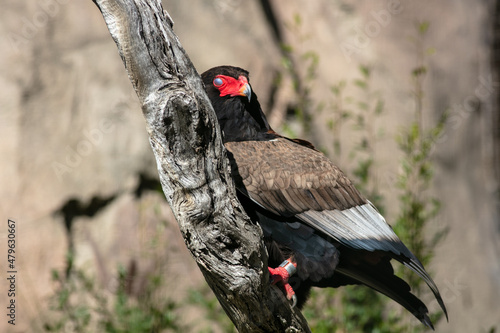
{"x":417,"y":206}
{"x":81,"y":306}
{"x":339,"y":114}
{"x":369,"y":109}
{"x":303,"y":107}
{"x":214,"y":314}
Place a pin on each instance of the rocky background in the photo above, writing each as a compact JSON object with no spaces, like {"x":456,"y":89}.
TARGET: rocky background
{"x":78,"y":176}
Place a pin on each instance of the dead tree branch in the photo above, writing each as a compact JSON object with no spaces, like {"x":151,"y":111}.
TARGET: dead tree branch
{"x":193,"y":169}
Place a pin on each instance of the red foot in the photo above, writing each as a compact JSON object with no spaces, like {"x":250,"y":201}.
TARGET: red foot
{"x":281,"y":274}
{"x":278,"y":274}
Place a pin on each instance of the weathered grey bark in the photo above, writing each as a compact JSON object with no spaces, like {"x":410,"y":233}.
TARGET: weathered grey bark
{"x":193,"y":169}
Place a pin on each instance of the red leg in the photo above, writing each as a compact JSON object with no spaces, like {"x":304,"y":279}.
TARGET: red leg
{"x":282,"y":274}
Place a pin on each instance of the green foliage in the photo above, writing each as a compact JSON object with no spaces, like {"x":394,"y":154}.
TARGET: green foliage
{"x":339,"y":115}
{"x":303,"y":106}
{"x":82,"y":306}
{"x":417,"y":208}
{"x":354,"y":309}
{"x":370,"y":108}
{"x":206,"y":300}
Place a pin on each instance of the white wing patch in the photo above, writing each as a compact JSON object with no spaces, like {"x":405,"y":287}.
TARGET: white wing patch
{"x":360,"y":227}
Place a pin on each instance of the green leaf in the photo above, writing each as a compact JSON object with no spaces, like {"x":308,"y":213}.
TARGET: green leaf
{"x":330,"y":124}
{"x":363,"y":106}
{"x":361,"y":84}
{"x":379,"y":107}
{"x":423,"y":27}
{"x":288,"y":48}
{"x":297,"y":19}
{"x":418,"y":71}
{"x":365,"y":71}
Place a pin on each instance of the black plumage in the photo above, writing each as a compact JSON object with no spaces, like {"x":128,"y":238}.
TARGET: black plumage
{"x":308,"y":209}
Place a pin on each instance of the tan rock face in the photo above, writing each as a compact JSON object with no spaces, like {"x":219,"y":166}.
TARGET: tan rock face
{"x":72,"y":129}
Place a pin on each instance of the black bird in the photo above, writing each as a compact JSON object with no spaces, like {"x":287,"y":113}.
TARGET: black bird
{"x":316,"y":224}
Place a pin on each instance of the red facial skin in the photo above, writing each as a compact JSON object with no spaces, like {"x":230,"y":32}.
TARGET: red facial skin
{"x":230,"y":86}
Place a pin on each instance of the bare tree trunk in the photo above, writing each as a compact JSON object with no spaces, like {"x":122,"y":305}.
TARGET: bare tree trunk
{"x":193,"y":169}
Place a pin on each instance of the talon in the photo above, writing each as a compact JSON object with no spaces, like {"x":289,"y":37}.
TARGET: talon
{"x":294,"y":300}
{"x":290,"y":294}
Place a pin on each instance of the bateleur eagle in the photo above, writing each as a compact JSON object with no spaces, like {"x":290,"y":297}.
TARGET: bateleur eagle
{"x":316,"y":224}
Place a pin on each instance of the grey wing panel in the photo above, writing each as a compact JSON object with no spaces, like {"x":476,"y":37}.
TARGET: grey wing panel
{"x":360,"y":227}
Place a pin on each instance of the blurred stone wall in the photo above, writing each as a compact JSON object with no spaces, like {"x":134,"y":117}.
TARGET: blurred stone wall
{"x":77,"y":171}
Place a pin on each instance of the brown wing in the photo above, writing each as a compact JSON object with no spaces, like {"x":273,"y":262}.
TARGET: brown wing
{"x":289,"y":179}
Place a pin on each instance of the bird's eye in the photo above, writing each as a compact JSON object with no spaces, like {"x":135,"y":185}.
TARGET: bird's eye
{"x":218,"y":82}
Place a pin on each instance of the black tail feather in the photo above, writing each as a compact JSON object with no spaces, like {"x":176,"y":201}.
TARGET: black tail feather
{"x":418,"y":268}
{"x":381,"y":278}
